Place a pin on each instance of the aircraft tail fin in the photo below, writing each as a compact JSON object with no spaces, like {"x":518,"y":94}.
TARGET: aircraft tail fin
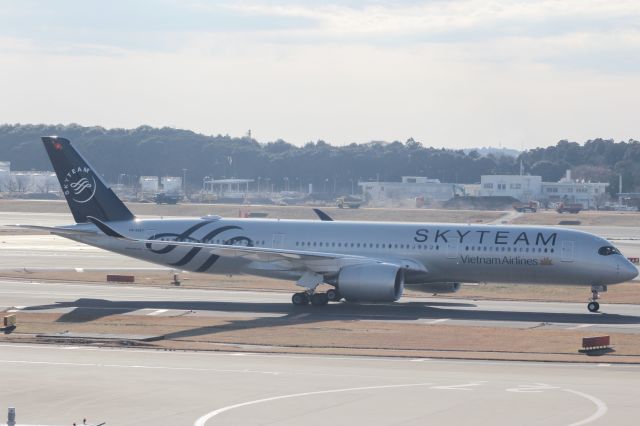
{"x":86,"y":193}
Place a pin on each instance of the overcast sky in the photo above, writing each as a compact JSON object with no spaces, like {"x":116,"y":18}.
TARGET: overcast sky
{"x":455,"y":73}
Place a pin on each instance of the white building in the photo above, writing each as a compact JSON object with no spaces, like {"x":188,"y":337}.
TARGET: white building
{"x":379,"y":193}
{"x":523,"y":187}
{"x":171,"y":184}
{"x":30,"y":182}
{"x":567,"y":190}
{"x":149,"y":184}
{"x":527,"y":188}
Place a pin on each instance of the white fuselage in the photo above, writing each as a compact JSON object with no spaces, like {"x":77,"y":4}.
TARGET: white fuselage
{"x":448,"y":252}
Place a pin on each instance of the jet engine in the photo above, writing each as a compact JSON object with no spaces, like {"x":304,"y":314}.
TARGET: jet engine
{"x":435,"y":288}
{"x":371,"y":283}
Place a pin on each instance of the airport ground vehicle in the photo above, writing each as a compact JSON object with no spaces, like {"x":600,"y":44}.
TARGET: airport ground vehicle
{"x":569,"y":208}
{"x":162,"y":198}
{"x":530,"y":207}
{"x":349,"y":202}
{"x":363,"y":261}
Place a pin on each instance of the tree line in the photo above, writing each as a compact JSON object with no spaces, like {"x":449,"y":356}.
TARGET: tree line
{"x":130,"y":153}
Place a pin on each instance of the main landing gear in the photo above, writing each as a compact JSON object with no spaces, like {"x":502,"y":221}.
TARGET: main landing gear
{"x":593,"y":305}
{"x":316,"y":298}
{"x":311,"y":281}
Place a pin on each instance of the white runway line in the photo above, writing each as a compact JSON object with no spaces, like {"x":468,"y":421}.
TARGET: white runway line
{"x":202,"y":420}
{"x":438,"y":321}
{"x":577,"y":327}
{"x":601,"y":408}
{"x":158,"y":312}
{"x":464,"y":387}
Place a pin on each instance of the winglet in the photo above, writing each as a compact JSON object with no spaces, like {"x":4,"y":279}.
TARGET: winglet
{"x":323,"y":216}
{"x":105,"y":228}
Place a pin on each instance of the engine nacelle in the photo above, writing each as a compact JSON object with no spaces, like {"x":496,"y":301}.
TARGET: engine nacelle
{"x":435,"y":288}
{"x":371,"y":283}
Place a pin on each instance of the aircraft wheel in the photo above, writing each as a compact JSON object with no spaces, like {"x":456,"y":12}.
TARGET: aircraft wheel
{"x":333,"y":295}
{"x":593,"y":306}
{"x":300,"y":299}
{"x":319,"y":299}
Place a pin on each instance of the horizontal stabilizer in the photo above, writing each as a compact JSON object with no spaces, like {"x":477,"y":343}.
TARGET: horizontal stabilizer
{"x":105,"y":228}
{"x":55,"y":230}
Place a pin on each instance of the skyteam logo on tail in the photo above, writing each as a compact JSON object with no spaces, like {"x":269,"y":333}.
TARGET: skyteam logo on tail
{"x":79,"y":184}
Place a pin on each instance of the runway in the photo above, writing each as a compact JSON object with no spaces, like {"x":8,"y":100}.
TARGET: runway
{"x":56,"y":385}
{"x":96,"y":301}
{"x":60,"y":385}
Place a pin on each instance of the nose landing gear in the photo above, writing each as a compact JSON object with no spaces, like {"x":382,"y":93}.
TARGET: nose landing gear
{"x":593,"y":305}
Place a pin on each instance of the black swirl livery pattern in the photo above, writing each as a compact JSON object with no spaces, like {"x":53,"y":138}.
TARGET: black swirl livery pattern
{"x":191,"y":254}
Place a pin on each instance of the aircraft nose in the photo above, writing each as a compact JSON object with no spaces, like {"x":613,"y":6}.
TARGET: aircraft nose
{"x":628,"y":270}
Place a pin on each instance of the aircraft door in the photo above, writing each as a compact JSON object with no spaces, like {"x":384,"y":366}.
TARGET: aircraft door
{"x":566,"y":251}
{"x":452,"y":249}
{"x":278,"y":241}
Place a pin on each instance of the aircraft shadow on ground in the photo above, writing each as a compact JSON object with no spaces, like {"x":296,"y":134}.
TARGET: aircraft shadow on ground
{"x":282,"y":314}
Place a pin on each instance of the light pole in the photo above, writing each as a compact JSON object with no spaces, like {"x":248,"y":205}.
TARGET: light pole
{"x":286,"y":184}
{"x":351,"y":180}
{"x":259,"y":185}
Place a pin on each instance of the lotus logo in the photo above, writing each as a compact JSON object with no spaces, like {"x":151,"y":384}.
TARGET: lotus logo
{"x":546,"y":261}
{"x":79,"y":185}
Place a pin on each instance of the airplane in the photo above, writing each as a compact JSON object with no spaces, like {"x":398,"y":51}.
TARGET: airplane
{"x":365,"y":262}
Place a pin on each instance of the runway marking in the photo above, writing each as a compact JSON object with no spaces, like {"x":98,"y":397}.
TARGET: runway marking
{"x":437,"y":321}
{"x":533,"y":388}
{"x":79,"y":269}
{"x":158,"y":312}
{"x":464,"y":387}
{"x":604,"y":365}
{"x":202,"y":420}
{"x":601,"y":408}
{"x":579,"y":326}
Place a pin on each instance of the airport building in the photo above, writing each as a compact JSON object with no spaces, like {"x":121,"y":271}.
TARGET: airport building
{"x":522,"y":187}
{"x":411,"y":187}
{"x":34,"y":182}
{"x":527,"y":188}
{"x":567,"y":190}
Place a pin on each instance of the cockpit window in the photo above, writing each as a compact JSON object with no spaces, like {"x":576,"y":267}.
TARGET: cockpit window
{"x":608,"y":250}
